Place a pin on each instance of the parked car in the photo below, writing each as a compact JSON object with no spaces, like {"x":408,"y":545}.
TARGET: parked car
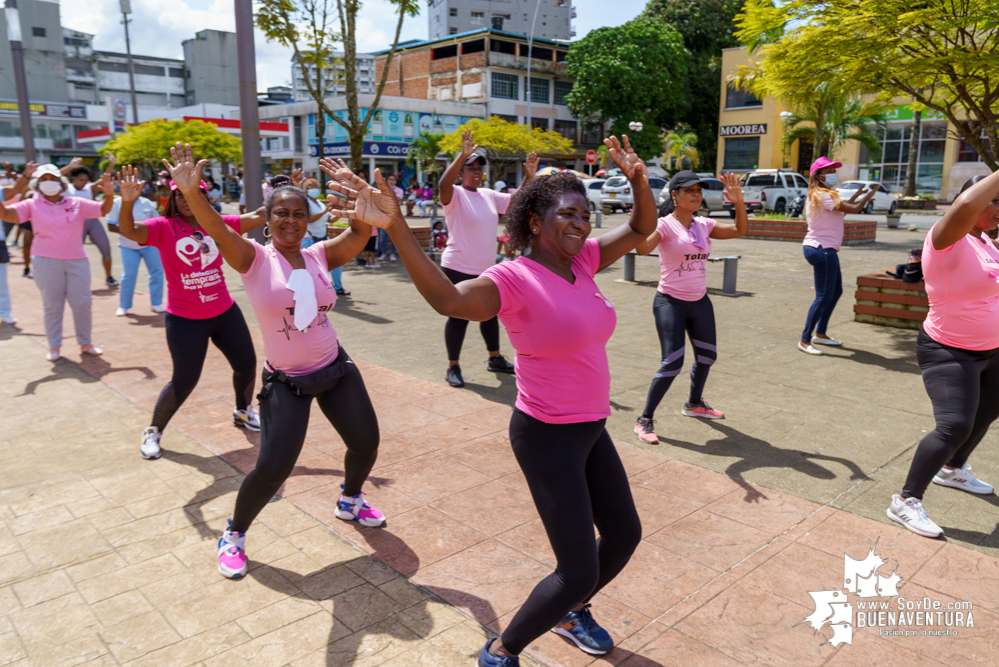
{"x":883,"y":200}
{"x":593,"y":195}
{"x":771,"y":189}
{"x":616,"y":192}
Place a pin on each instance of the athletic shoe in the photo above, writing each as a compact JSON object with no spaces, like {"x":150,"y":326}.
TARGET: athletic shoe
{"x":499,"y":364}
{"x":157,"y":309}
{"x":111,"y":282}
{"x":11,"y":244}
{"x":92,"y":350}
{"x":247,"y":418}
{"x":808,"y":348}
{"x":27,"y":274}
{"x":150,"y":447}
{"x":53,"y":354}
{"x":646,"y":432}
{"x":702,"y":410}
{"x":121,"y":312}
{"x":453,"y":376}
{"x":825,"y":341}
{"x":8,"y":319}
{"x":584,"y":632}
{"x":910,"y":513}
{"x":382,"y":258}
{"x":342,"y":292}
{"x":373,"y":265}
{"x":350,"y":508}
{"x":232,"y":554}
{"x":962,"y":478}
{"x":393,"y":258}
{"x":487,"y":659}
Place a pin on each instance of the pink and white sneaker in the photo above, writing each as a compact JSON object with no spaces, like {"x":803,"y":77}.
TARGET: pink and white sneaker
{"x":646,"y":431}
{"x":232,"y":554}
{"x":702,"y":410}
{"x":350,"y":508}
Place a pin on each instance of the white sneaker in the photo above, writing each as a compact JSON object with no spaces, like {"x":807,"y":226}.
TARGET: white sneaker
{"x":121,"y":312}
{"x":53,"y":354}
{"x":910,"y":513}
{"x":8,"y":319}
{"x":247,"y":418}
{"x":808,"y":349}
{"x":150,"y":447}
{"x":964,"y":479}
{"x":825,"y":341}
{"x":157,"y":309}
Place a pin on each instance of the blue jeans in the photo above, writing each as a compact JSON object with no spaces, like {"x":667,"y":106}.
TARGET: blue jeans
{"x":4,"y":292}
{"x":828,"y":289}
{"x":336,"y":276}
{"x":130,"y":272}
{"x":385,"y":243}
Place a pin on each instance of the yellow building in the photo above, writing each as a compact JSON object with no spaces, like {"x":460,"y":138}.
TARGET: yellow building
{"x":750,"y":133}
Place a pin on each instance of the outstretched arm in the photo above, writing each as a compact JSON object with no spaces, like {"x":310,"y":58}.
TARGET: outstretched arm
{"x":453,"y":170}
{"x":851,"y":205}
{"x":107,"y":187}
{"x":130,"y":187}
{"x":642,"y":223}
{"x":965,"y":211}
{"x":732,"y":230}
{"x":8,"y":214}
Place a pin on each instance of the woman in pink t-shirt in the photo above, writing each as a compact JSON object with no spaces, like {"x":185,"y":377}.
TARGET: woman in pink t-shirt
{"x":472,"y":213}
{"x":957,"y":350}
{"x":824,"y":212}
{"x":199,"y":307}
{"x":291,"y":294}
{"x":559,"y":322}
{"x":62,"y":270}
{"x":681,"y":306}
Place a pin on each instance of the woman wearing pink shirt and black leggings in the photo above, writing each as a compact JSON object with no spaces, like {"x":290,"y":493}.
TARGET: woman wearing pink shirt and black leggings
{"x":957,"y":350}
{"x":472,"y":213}
{"x":559,"y":323}
{"x":291,"y":294}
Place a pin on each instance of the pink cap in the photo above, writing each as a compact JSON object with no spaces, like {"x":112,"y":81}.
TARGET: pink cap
{"x":203,"y":186}
{"x":822,"y":163}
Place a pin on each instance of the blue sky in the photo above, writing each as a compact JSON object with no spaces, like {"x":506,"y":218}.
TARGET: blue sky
{"x":160,"y":27}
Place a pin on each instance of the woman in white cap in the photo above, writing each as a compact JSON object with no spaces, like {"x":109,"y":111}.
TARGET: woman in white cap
{"x":824,"y":212}
{"x":61,"y":267}
{"x":472,"y":213}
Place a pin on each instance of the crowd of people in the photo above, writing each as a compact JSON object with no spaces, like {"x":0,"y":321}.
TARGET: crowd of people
{"x":547,"y":298}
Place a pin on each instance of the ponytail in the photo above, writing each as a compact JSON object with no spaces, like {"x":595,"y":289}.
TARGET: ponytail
{"x":668,"y":205}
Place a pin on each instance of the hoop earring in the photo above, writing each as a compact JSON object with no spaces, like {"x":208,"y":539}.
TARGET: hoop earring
{"x":267,"y":232}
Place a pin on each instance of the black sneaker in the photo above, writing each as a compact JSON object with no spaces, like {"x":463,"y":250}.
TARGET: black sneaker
{"x":342,"y":292}
{"x":27,"y":273}
{"x":453,"y":376}
{"x":498,"y":364}
{"x":111,"y":282}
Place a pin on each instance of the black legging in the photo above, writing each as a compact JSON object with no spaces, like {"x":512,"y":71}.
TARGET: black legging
{"x":577,"y":481}
{"x":284,"y":420}
{"x":454,"y":330}
{"x":188,"y":343}
{"x":675,"y":318}
{"x":963,"y":386}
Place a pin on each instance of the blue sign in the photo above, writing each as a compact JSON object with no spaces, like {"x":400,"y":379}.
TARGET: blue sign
{"x":389,"y":149}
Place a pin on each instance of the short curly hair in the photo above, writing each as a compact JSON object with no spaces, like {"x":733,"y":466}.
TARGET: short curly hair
{"x":537,"y":197}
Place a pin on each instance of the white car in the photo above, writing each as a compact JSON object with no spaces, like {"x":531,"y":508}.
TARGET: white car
{"x":593,"y":195}
{"x":883,"y":200}
{"x":616,"y":192}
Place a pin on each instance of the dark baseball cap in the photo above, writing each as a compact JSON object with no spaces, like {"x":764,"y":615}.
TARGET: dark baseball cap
{"x":685,"y":179}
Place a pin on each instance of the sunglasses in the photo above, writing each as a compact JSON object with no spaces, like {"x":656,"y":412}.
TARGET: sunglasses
{"x":200,"y":238}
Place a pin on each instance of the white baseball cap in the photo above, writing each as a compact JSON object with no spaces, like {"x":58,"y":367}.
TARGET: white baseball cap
{"x":47,"y":169}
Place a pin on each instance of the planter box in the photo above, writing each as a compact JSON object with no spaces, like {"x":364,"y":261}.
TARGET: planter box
{"x":890,"y":302}
{"x":854,"y":232}
{"x":921,"y":204}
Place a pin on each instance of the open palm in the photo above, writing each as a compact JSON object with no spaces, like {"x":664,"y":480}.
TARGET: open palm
{"x":129,"y":184}
{"x":626,"y":159}
{"x":378,"y":207}
{"x":733,"y":190}
{"x":184,"y":171}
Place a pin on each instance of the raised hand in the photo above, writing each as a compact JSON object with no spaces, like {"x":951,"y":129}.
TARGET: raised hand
{"x":378,"y":207}
{"x":129,"y":184}
{"x":111,"y":162}
{"x":330,"y":167}
{"x":29,"y":169}
{"x":75,"y":162}
{"x":733,"y":189}
{"x":107,"y":185}
{"x":184,"y":171}
{"x":531,"y":166}
{"x":297,"y":177}
{"x":468,"y":145}
{"x":626,"y":159}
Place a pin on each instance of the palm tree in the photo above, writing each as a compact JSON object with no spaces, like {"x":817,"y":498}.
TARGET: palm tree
{"x":838,"y":121}
{"x":424,"y":151}
{"x":680,"y":147}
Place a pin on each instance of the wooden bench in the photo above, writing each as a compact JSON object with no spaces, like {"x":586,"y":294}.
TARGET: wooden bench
{"x":890,"y":302}
{"x":728,"y":280}
{"x":854,"y":231}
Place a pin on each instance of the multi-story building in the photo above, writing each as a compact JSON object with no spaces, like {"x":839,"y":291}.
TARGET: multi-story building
{"x":551,"y":19}
{"x":335,"y":77}
{"x":212,"y":70}
{"x":44,"y":60}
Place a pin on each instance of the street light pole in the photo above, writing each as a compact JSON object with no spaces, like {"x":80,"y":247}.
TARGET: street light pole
{"x":530,"y":53}
{"x":249,"y":120}
{"x":17,"y":53}
{"x":126,"y":9}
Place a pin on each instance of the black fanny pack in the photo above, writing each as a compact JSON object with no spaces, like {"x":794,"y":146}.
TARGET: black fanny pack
{"x":310,"y":384}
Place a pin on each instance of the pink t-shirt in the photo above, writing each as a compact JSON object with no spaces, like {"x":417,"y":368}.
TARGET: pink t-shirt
{"x":825,"y":225}
{"x":471,"y":223}
{"x":195,"y":284}
{"x":560,"y":332}
{"x":58,"y":228}
{"x":287,"y":349}
{"x":962,"y":283}
{"x":683,"y":257}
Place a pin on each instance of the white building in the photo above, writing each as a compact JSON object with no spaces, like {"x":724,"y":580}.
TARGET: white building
{"x":335,"y":77}
{"x":551,"y":19}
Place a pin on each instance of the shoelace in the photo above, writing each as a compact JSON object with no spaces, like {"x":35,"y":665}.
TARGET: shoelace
{"x":917,"y":506}
{"x":647,"y":425}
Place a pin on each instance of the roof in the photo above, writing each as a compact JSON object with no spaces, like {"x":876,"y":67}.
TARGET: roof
{"x":137,"y":58}
{"x":421,"y":43}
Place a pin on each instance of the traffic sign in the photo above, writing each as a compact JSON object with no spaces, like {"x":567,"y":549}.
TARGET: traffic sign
{"x":591,"y":156}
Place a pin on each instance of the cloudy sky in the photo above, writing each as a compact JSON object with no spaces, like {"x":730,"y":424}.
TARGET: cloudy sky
{"x":159,"y":27}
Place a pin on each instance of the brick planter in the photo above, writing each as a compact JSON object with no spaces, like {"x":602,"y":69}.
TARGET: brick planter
{"x":922,"y":204}
{"x":890,"y":302}
{"x":854,"y":232}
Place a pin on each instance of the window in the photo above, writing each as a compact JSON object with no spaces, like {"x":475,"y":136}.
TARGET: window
{"x":112,"y":67}
{"x":539,"y":91}
{"x":37,"y":32}
{"x":537,"y":53}
{"x":177,"y":72}
{"x":762,"y":181}
{"x":509,"y":119}
{"x":567,"y":128}
{"x":452,"y":12}
{"x":474,"y":47}
{"x":592,"y":135}
{"x":452,"y":31}
{"x":539,"y":123}
{"x":596,"y":185}
{"x":738,"y":99}
{"x":147,"y":69}
{"x":800,"y":181}
{"x":478,"y":15}
{"x":562,"y":88}
{"x":74,"y":41}
{"x":505,"y":86}
{"x":444,"y":52}
{"x":741,"y":152}
{"x":501,"y":46}
{"x":561,"y":56}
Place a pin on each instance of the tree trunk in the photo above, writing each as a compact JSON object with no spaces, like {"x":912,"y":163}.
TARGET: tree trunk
{"x":909,"y":189}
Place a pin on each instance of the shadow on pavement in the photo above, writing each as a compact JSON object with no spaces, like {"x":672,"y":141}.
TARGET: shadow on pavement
{"x":94,"y":369}
{"x":348,"y":306}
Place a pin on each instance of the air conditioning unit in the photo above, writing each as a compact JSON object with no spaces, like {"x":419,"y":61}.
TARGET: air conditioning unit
{"x":471,"y":90}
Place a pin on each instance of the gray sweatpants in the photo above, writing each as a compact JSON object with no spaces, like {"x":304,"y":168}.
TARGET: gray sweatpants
{"x":59,"y":281}
{"x":93,"y":228}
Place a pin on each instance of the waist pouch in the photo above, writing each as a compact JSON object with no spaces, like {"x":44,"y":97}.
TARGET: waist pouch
{"x":310,"y":384}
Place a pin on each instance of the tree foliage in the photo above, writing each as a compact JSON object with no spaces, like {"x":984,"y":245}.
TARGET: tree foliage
{"x":506,"y":143}
{"x":843,"y":120}
{"x":149,"y":143}
{"x":424,"y":151}
{"x":633,"y":72}
{"x":942,"y":54}
{"x":681,"y":146}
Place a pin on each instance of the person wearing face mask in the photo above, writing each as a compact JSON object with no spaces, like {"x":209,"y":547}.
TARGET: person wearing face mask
{"x":292,"y":298}
{"x":824,"y":213}
{"x":682,"y":307}
{"x":472,"y":213}
{"x":318,"y":229}
{"x":61,"y":268}
{"x":80,"y":186}
{"x":957,"y":350}
{"x":199,"y":308}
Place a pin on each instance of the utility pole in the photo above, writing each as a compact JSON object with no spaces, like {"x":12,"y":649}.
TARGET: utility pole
{"x":17,"y":53}
{"x":530,"y":54}
{"x":126,"y":9}
{"x":249,"y":120}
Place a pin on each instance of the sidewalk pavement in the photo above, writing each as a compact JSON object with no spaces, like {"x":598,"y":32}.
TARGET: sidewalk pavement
{"x":109,"y":559}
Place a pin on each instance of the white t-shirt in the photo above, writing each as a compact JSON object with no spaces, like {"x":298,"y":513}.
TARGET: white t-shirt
{"x":319,"y":227}
{"x":86,"y":192}
{"x":499,"y":186}
{"x":472,"y":219}
{"x":142,"y":210}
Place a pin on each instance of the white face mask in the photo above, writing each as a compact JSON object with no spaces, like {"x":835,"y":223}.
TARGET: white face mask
{"x":50,"y":188}
{"x":830,"y":180}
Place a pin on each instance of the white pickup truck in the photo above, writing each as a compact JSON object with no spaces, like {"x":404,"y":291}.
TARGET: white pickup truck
{"x":771,"y":189}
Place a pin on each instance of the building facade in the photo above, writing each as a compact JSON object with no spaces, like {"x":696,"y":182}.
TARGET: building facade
{"x":44,"y":59}
{"x":335,"y":77}
{"x":451,"y":17}
{"x":212,"y":70}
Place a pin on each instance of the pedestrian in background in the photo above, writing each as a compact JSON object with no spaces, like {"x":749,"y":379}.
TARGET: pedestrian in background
{"x":80,"y":186}
{"x":132,"y":254}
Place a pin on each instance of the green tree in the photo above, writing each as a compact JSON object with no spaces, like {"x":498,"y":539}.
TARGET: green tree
{"x":147,"y":144}
{"x":506,"y":143}
{"x":633,"y":72}
{"x":842,"y":120}
{"x":424,"y":151}
{"x":941,"y":54}
{"x":681,"y":146}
